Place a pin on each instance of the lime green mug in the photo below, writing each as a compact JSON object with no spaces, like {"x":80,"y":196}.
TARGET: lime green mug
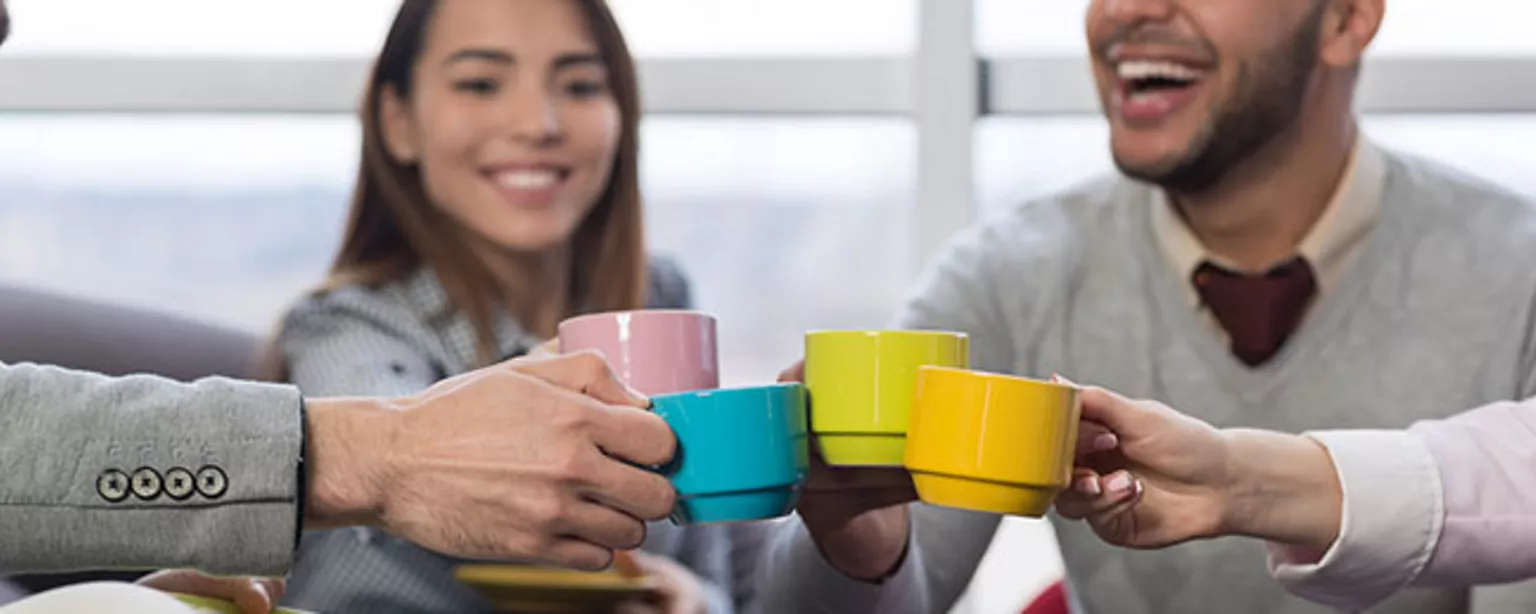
{"x":861,"y":386}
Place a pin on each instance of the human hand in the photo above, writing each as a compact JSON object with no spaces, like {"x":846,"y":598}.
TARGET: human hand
{"x":521,"y":460}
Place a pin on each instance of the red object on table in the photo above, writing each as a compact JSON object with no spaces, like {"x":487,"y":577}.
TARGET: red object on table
{"x":1052,"y":600}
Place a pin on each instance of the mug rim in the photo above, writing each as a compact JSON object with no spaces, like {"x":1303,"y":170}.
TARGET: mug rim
{"x":992,"y":375}
{"x":731,"y":390}
{"x":643,"y":312}
{"x":880,"y":332}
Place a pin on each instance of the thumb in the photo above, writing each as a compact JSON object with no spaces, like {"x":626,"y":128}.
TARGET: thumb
{"x":794,"y":373}
{"x":251,"y":596}
{"x":1123,"y":417}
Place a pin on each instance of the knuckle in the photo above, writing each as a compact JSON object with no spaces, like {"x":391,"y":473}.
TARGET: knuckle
{"x":663,"y":497}
{"x":594,"y":561}
{"x":591,"y":363}
{"x":547,"y":515}
{"x":532,"y":545}
{"x":574,"y":466}
{"x":575,"y":417}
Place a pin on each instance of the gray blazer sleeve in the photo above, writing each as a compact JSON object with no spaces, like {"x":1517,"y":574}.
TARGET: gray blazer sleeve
{"x":143,"y":472}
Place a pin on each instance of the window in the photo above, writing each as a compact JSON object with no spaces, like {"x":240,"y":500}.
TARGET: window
{"x":230,"y":217}
{"x":226,"y":198}
{"x":357,"y":27}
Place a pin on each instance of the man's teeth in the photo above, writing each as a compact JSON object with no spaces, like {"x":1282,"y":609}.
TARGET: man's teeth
{"x":527,"y":180}
{"x":1145,"y":69}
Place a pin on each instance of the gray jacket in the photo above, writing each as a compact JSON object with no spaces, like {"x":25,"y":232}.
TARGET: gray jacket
{"x":143,"y":472}
{"x":397,"y":340}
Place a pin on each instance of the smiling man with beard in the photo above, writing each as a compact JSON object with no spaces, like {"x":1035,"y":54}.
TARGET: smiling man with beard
{"x":1256,"y":262}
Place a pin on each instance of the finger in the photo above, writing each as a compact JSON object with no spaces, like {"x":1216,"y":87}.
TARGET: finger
{"x":638,"y":436}
{"x":251,"y":596}
{"x":1107,"y":517}
{"x":795,"y":373}
{"x":634,"y":491}
{"x":584,"y":372}
{"x":1120,"y":483}
{"x":1077,"y":504}
{"x":602,"y":526}
{"x":1093,"y":438}
{"x":579,"y":554}
{"x":1085,"y":481}
{"x":628,"y":563}
{"x":276,"y":588}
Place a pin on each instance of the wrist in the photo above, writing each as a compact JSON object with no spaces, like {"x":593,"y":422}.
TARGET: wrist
{"x":868,"y":547}
{"x":347,"y":461}
{"x":1283,"y":489}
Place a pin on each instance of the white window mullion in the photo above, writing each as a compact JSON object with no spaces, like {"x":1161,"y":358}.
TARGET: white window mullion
{"x":947,"y":95}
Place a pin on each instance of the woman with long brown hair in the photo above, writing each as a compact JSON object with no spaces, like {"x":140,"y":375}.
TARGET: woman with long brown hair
{"x":498,"y":194}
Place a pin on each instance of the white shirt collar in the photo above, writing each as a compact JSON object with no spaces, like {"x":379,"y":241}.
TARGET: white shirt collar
{"x":1330,"y":246}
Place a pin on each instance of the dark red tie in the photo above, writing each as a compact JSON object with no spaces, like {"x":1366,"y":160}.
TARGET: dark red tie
{"x":1258,"y":311}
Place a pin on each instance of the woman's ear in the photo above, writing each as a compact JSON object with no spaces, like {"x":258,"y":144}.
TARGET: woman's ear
{"x":398,"y":126}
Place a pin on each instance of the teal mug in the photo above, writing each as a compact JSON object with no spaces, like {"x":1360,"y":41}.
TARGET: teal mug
{"x":742,"y":453}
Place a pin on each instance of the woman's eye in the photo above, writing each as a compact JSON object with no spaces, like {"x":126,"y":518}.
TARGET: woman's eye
{"x":586,"y":89}
{"x":477,"y":86}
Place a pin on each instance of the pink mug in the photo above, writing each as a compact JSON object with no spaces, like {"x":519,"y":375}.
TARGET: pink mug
{"x":655,"y":351}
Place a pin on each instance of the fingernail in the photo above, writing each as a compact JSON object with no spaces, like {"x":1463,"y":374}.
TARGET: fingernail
{"x":1105,"y":442}
{"x":1057,"y":377}
{"x":1121,"y":482}
{"x":1088,"y":486}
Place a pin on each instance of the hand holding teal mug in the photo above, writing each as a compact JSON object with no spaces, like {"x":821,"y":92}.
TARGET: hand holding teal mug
{"x":742,"y":453}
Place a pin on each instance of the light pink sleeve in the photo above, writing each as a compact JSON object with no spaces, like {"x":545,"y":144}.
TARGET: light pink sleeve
{"x":1446,"y":503}
{"x":1487,"y":461}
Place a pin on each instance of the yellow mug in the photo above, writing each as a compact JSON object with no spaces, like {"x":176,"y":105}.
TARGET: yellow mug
{"x":991,"y":443}
{"x":861,"y":385}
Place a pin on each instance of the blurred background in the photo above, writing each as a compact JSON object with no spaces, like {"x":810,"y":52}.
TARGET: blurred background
{"x":802,"y":158}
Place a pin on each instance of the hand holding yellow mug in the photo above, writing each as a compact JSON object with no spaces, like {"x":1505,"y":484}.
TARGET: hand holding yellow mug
{"x":991,"y":443}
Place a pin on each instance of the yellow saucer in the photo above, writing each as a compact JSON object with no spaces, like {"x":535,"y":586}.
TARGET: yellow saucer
{"x":529,"y":588}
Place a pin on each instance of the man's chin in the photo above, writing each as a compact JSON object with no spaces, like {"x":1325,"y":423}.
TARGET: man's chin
{"x":1154,"y":171}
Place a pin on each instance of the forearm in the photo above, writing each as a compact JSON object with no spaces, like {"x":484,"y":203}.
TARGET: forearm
{"x":798,"y":578}
{"x":1285,"y":490}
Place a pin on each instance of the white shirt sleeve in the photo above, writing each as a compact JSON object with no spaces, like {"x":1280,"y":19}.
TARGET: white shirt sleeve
{"x":1393,"y":516}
